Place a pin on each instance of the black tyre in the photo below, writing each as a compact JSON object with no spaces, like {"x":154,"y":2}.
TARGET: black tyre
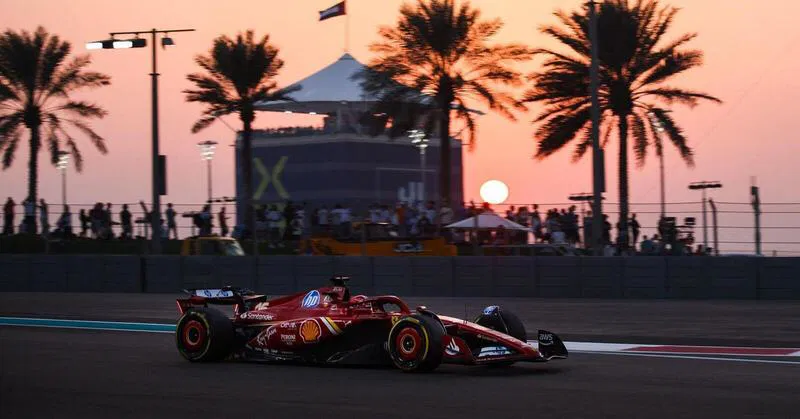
{"x":204,"y":335}
{"x":415,"y":343}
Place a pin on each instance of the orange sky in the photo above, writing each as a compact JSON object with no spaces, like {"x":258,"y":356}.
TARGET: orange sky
{"x":751,"y":63}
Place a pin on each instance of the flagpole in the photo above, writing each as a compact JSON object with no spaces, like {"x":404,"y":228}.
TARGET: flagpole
{"x":346,"y":30}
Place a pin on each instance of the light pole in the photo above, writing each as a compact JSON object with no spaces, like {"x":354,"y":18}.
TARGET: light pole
{"x":207,"y":154}
{"x":159,"y":183}
{"x":420,"y":141}
{"x":63,"y":161}
{"x":598,"y":168}
{"x":703,"y":186}
{"x":658,"y":129}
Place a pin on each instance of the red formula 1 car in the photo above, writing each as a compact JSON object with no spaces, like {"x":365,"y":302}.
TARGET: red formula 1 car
{"x":328,"y":326}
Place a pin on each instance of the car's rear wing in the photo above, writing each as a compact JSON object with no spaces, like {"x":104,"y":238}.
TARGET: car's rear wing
{"x":240,"y":298}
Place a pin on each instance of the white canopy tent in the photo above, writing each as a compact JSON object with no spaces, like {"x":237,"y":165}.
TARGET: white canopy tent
{"x":329,"y":90}
{"x":485,"y":221}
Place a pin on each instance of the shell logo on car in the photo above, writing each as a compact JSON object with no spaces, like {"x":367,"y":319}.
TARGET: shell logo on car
{"x":310,"y":331}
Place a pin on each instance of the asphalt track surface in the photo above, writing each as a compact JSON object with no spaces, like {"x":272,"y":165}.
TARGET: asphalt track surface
{"x":56,"y":373}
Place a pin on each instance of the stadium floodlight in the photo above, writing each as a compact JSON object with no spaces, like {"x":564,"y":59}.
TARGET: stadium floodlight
{"x":703,"y":186}
{"x":158,"y":161}
{"x":117,"y":44}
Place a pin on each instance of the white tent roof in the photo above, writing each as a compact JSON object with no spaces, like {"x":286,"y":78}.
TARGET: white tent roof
{"x":487,"y":220}
{"x":326,"y":88}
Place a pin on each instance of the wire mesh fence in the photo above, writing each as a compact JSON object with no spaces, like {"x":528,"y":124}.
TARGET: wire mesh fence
{"x":735,"y":221}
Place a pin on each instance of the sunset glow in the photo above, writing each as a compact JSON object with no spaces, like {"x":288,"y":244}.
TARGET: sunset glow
{"x":749,"y":64}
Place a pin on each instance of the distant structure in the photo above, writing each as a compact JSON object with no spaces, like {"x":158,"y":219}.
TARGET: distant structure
{"x":340,"y":163}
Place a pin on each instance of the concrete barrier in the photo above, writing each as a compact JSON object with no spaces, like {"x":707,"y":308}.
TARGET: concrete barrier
{"x":83,"y":273}
{"x":123,"y":273}
{"x":779,"y":278}
{"x":548,"y":277}
{"x":472,"y":276}
{"x":689,"y":277}
{"x":644,"y":277}
{"x":513,"y":276}
{"x":431,"y":276}
{"x":162,"y":274}
{"x":275,"y":275}
{"x":601,"y":277}
{"x":392,"y":275}
{"x":734,"y":278}
{"x":15,"y":272}
{"x":558,"y":277}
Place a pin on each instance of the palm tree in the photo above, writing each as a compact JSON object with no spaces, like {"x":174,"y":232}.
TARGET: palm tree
{"x":636,"y":64}
{"x":36,"y":81}
{"x":431,"y":63}
{"x":238,"y":73}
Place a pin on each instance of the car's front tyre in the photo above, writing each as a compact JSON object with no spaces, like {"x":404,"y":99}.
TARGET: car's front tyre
{"x":415,"y":344}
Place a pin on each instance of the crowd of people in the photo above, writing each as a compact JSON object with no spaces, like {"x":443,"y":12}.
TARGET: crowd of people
{"x":284,"y":224}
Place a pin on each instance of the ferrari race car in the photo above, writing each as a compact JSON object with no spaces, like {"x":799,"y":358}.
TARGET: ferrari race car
{"x":329,"y":326}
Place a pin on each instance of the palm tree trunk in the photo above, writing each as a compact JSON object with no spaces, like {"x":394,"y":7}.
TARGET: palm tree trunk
{"x":623,"y":182}
{"x":33,"y":175}
{"x":247,"y":174}
{"x":444,"y":157}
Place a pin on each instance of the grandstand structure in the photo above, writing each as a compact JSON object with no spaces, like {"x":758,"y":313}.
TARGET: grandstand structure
{"x":340,"y":162}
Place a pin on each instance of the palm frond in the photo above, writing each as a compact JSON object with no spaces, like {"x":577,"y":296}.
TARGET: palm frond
{"x":98,"y":141}
{"x":9,"y":145}
{"x":675,"y":134}
{"x":640,"y":142}
{"x":559,"y":130}
{"x":83,"y":109}
{"x":670,"y":95}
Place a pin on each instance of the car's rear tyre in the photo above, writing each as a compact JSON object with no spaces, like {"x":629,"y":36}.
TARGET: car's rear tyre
{"x":504,"y":321}
{"x":415,"y":343}
{"x":204,"y":335}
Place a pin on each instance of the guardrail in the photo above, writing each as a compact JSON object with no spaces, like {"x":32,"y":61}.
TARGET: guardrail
{"x":463,"y":276}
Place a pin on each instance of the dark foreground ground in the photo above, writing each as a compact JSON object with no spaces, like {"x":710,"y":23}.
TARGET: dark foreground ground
{"x":767,"y":323}
{"x":55,"y":373}
{"x":49,"y":373}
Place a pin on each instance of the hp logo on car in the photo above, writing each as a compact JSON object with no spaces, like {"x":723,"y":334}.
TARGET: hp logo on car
{"x":311,"y":299}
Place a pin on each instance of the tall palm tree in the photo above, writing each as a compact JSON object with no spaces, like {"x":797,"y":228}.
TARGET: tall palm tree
{"x":238,"y":73}
{"x":636,"y":66}
{"x":36,"y":81}
{"x":436,"y":59}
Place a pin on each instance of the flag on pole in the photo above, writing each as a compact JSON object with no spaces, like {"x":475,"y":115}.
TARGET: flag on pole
{"x":333,"y":11}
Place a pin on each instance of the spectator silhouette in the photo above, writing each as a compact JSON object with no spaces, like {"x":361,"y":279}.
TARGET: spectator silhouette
{"x":172,"y":226}
{"x":223,"y":222}
{"x":8,"y":217}
{"x":125,"y":219}
{"x":85,"y":221}
{"x":44,"y":217}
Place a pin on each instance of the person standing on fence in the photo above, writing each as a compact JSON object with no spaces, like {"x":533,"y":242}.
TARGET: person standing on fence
{"x":125,"y":219}
{"x":30,"y":220}
{"x":8,"y":217}
{"x":172,"y":226}
{"x":64,"y":224}
{"x":83,"y":218}
{"x":633,"y":224}
{"x":108,"y":222}
{"x":223,"y":222}
{"x":44,"y":217}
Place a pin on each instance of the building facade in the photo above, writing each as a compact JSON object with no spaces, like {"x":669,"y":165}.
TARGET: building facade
{"x":351,"y":170}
